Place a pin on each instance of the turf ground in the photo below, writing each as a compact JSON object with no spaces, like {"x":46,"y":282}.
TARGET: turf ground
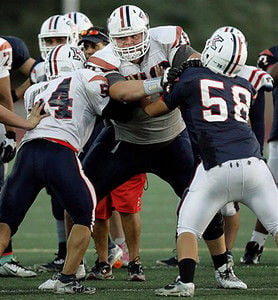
{"x":36,"y":242}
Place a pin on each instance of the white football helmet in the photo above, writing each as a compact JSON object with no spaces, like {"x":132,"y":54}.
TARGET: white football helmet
{"x":224,"y":53}
{"x":80,"y":20}
{"x":231,"y":29}
{"x":125,"y":21}
{"x":57,"y":26}
{"x":63,"y":59}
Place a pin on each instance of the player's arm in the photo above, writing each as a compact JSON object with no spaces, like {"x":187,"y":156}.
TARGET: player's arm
{"x":131,"y":90}
{"x":8,"y":117}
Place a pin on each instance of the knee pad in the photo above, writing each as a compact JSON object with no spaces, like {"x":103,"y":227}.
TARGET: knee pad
{"x":215,"y":228}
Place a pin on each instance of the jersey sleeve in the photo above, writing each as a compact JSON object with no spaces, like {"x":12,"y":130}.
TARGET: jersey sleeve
{"x":5,"y":58}
{"x":171,"y":39}
{"x":20,"y":51}
{"x":97,"y":91}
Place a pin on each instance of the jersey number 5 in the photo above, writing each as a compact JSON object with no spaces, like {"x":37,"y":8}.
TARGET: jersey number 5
{"x":215,"y":109}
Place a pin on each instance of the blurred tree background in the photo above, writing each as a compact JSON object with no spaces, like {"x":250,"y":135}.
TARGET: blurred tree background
{"x":199,"y":18}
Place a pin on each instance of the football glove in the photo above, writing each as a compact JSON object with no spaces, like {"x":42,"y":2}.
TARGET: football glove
{"x":169,"y":77}
{"x":191,"y":63}
{"x":8,"y":147}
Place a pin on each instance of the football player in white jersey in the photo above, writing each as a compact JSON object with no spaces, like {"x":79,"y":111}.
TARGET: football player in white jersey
{"x":55,"y":30}
{"x":228,"y":147}
{"x":144,"y":144}
{"x":73,"y":100}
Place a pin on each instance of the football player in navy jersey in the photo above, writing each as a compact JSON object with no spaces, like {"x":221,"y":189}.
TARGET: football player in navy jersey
{"x":219,"y":103}
{"x":268,"y":61}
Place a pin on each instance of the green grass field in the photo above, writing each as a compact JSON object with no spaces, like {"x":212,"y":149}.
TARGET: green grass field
{"x":36,"y":243}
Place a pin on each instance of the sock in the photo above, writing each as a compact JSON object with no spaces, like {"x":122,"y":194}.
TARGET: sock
{"x":6,"y":257}
{"x":259,"y":237}
{"x":219,"y":260}
{"x":67,"y":278}
{"x":187,"y":269}
{"x":62,"y":250}
{"x":8,"y":254}
{"x":119,"y":241}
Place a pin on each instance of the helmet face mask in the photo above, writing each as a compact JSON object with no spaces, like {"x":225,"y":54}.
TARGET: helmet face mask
{"x":225,"y":53}
{"x":125,"y":21}
{"x":63,"y":59}
{"x":57,"y":26}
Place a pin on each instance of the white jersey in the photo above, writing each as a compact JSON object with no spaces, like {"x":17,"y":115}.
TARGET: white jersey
{"x":6,"y":58}
{"x":142,"y":129}
{"x":73,"y":101}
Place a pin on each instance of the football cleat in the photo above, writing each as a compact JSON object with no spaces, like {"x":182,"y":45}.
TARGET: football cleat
{"x":226,"y":278}
{"x":56,"y":265}
{"x":252,"y":254}
{"x":14,"y":269}
{"x":135,"y":271}
{"x":168,"y":262}
{"x":100,"y":271}
{"x":71,"y":286}
{"x":49,"y":284}
{"x":177,"y":289}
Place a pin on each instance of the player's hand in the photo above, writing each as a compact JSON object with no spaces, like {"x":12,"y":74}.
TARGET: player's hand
{"x":191,"y":63}
{"x":36,"y":115}
{"x":168,"y":79}
{"x":8,"y":147}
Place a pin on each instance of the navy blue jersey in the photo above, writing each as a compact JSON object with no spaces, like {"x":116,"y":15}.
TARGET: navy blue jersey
{"x":266,"y":59}
{"x":219,"y":109}
{"x":20,"y":51}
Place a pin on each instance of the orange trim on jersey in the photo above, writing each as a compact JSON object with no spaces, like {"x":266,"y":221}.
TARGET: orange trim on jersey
{"x":178,"y":36}
{"x":98,"y":77}
{"x":63,"y":143}
{"x":101,"y":63}
{"x":6,"y":45}
{"x":266,"y":52}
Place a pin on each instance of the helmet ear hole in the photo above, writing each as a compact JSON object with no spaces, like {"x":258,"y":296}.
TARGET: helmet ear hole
{"x":129,"y":20}
{"x":225,"y":53}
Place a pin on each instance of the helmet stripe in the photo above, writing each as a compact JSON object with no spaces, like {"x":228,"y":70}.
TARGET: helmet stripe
{"x":122,"y":16}
{"x":50,"y":23}
{"x":56,"y":22}
{"x":232,"y":57}
{"x":53,"y":69}
{"x":127,"y":16}
{"x":238,"y":55}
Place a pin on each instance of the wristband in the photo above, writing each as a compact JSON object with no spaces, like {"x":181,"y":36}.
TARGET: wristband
{"x":152,"y":86}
